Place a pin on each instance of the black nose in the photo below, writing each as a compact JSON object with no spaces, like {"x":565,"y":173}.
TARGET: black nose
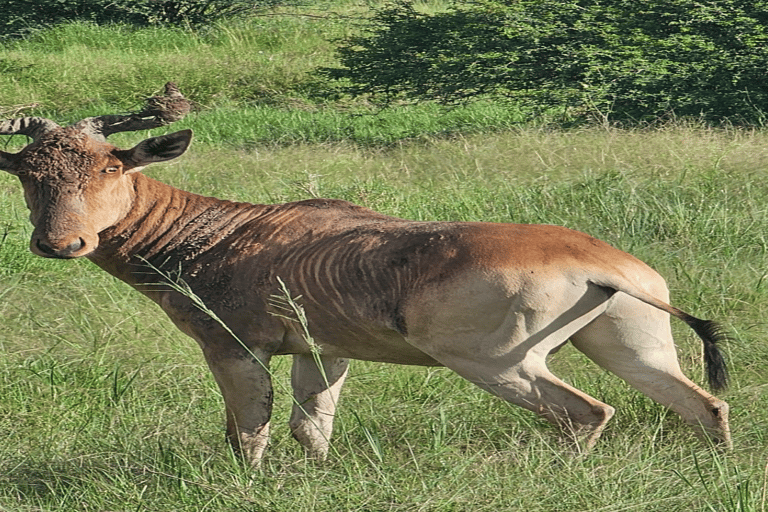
{"x":61,"y":252}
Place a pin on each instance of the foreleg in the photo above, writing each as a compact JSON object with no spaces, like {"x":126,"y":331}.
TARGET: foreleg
{"x":246,"y":385}
{"x":316,"y":382}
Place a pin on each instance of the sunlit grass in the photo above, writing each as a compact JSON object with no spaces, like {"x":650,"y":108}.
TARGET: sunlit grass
{"x":105,"y":405}
{"x":240,"y":62}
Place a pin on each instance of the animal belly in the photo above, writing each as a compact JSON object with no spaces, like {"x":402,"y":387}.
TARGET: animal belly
{"x":368,"y":344}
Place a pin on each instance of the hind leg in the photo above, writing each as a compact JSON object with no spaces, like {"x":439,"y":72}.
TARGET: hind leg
{"x":316,"y":387}
{"x":634,"y":341}
{"x":530,"y":384}
{"x":500,"y":339}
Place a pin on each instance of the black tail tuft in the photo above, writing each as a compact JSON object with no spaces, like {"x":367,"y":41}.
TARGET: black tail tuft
{"x":711,"y":333}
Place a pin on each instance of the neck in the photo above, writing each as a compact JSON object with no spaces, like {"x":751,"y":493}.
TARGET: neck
{"x":166,"y":228}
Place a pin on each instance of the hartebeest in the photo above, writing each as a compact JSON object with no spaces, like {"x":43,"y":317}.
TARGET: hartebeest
{"x":489,"y":301}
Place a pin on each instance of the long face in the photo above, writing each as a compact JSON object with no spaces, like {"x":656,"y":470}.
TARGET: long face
{"x":76,"y":186}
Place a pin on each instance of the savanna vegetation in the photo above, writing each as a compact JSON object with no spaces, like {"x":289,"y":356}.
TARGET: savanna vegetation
{"x":104,"y":405}
{"x":612,"y":60}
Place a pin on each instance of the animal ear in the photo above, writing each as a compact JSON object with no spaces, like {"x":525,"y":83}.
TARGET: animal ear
{"x":156,"y":149}
{"x":8,"y":162}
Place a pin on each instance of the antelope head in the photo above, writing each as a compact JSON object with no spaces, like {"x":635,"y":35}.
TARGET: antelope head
{"x":76,"y":184}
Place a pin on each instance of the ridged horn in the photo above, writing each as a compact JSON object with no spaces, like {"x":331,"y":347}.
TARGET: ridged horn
{"x":33,"y":127}
{"x":158,"y":111}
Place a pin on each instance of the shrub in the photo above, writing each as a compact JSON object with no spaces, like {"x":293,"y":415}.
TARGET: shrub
{"x":619,"y":59}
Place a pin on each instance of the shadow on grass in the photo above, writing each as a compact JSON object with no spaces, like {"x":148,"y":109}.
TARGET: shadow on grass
{"x":114,"y":481}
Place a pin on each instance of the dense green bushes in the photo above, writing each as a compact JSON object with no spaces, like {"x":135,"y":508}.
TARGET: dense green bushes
{"x":616,"y":59}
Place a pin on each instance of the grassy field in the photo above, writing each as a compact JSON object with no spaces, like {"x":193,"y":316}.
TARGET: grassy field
{"x":105,"y":406}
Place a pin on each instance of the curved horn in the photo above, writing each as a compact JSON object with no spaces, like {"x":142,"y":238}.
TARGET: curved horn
{"x":33,"y":127}
{"x":158,"y":111}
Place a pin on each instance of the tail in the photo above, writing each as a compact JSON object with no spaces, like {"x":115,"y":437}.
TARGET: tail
{"x":711,"y":333}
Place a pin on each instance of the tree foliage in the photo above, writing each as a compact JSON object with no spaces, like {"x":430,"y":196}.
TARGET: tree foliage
{"x":621,"y":59}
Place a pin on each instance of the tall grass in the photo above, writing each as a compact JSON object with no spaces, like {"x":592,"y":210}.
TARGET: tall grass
{"x":252,"y":81}
{"x":104,"y":405}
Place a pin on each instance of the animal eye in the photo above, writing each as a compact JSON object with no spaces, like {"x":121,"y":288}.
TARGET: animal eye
{"x":110,"y":170}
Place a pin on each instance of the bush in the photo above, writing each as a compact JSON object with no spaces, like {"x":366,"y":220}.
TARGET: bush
{"x":18,"y":17}
{"x":618,"y":59}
